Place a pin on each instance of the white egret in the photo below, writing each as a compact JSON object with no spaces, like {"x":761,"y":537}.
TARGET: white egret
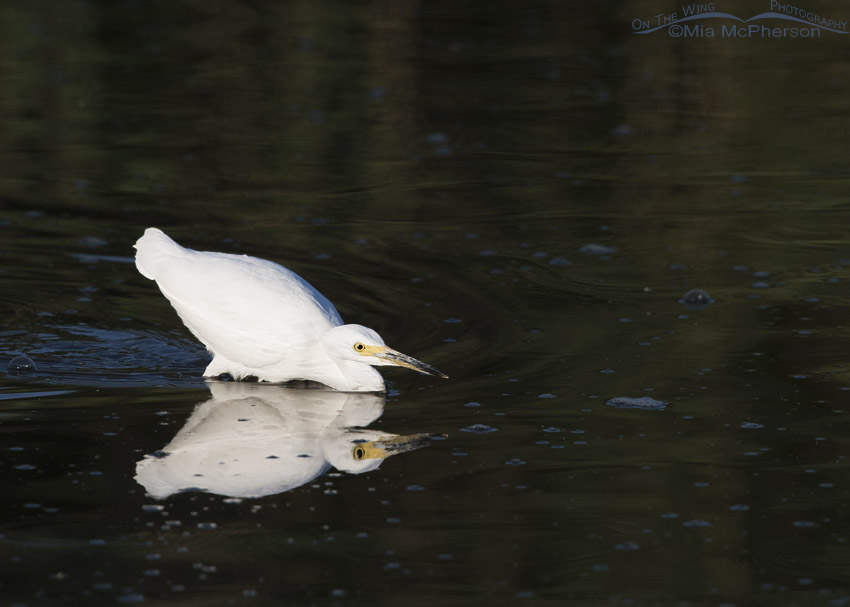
{"x":257,"y":318}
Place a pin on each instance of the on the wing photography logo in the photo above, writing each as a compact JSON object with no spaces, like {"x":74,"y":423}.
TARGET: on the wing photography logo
{"x":704,"y":20}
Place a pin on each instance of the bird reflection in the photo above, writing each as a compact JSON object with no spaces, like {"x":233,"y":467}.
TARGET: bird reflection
{"x":252,"y":440}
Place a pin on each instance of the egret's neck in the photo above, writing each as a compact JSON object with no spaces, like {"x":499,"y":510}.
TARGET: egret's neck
{"x":360,"y":377}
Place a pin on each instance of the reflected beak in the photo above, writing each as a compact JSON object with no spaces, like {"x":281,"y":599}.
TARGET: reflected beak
{"x":392,"y":445}
{"x":403,"y":360}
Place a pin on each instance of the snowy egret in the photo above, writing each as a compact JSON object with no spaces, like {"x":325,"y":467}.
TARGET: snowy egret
{"x":259,"y":319}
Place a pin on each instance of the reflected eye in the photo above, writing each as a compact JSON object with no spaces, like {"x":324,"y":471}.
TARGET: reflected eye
{"x":359,"y":347}
{"x":358,"y":453}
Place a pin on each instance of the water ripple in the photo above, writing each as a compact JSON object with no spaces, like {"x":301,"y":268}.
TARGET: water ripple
{"x":86,"y":355}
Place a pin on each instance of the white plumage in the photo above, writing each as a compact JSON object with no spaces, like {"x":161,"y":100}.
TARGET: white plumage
{"x":259,"y":319}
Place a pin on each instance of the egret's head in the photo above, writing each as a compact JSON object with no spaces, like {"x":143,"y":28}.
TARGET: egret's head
{"x":361,"y":344}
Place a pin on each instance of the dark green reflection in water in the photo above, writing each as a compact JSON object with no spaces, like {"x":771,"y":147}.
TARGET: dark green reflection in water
{"x":438,"y":171}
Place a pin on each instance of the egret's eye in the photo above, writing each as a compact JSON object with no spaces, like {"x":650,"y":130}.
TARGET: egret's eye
{"x":358,"y":452}
{"x":359,"y":347}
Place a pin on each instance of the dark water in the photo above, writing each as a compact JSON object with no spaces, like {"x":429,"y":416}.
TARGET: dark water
{"x":520,"y":194}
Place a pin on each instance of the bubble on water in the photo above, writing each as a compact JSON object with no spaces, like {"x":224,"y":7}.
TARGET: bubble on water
{"x":376,"y":93}
{"x":696,"y":523}
{"x":622,"y":130}
{"x":696,"y":299}
{"x":627,"y":547}
{"x":515,"y":462}
{"x":560,"y":262}
{"x":436,"y":138}
{"x":21,"y":363}
{"x":751,"y":425}
{"x":479,"y":429}
{"x":739,"y":508}
{"x":92,"y":242}
{"x":643,"y":402}
{"x":597,"y":249}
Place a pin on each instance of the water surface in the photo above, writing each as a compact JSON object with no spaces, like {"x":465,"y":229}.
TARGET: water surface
{"x":522,"y":197}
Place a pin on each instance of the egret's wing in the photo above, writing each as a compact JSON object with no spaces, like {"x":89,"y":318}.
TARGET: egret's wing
{"x":243,"y":308}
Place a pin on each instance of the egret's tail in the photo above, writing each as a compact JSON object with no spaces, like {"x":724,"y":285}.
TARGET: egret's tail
{"x":154,"y":248}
